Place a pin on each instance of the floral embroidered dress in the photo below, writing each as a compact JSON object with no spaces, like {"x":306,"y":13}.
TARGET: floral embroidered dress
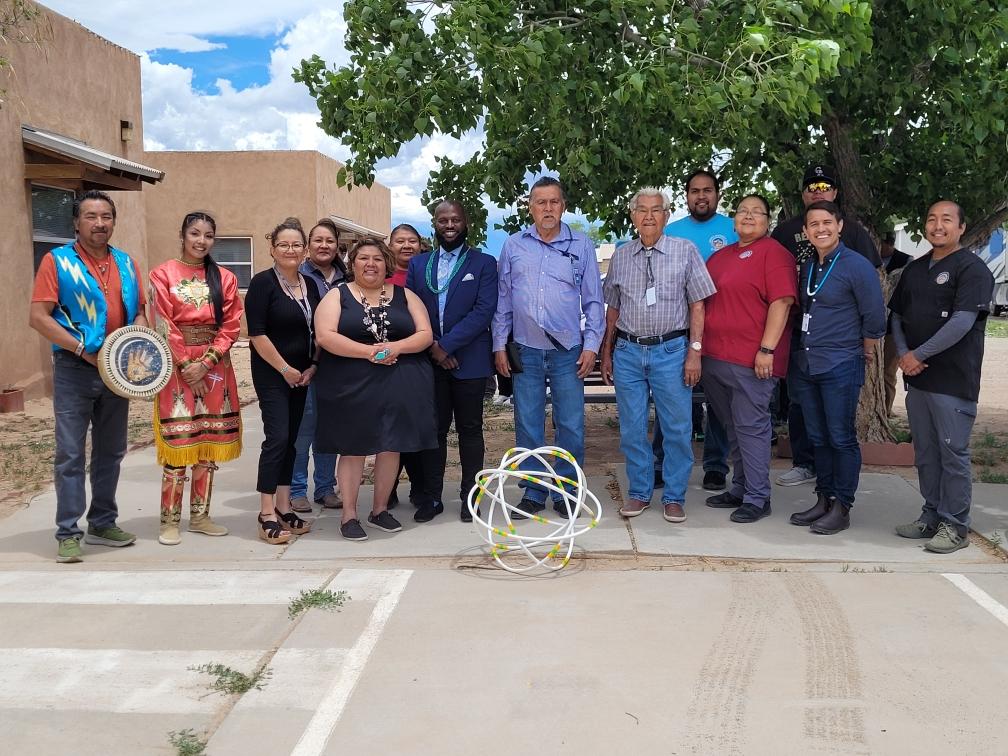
{"x":187,"y":428}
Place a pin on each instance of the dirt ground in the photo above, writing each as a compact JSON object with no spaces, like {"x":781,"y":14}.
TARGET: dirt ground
{"x":27,"y":445}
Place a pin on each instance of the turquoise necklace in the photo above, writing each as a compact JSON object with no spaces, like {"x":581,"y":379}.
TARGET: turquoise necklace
{"x":455,"y":269}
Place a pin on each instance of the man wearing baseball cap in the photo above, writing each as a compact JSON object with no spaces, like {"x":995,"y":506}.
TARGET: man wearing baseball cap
{"x":820,"y":183}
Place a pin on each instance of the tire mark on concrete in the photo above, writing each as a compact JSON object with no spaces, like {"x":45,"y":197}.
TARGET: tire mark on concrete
{"x":717,"y":713}
{"x":834,"y":718}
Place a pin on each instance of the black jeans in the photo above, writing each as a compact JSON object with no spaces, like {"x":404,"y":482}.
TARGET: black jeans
{"x":461,"y":399}
{"x":282,"y":409}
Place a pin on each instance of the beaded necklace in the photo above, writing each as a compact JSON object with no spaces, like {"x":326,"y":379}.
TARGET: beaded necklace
{"x":376,"y":319}
{"x":455,"y":269}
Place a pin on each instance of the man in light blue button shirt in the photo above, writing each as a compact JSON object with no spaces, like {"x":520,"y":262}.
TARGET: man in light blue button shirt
{"x":548,"y":278}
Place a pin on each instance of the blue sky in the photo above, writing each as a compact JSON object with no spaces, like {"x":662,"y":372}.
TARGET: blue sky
{"x":217,"y":76}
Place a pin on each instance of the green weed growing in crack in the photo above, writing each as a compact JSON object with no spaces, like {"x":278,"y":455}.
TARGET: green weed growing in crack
{"x":232,"y":681}
{"x":778,"y":569}
{"x":996,"y":539}
{"x":846,"y":568}
{"x":187,"y":743}
{"x":317,"y":598}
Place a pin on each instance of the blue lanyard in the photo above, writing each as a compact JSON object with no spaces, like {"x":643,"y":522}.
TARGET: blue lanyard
{"x":808,"y":284}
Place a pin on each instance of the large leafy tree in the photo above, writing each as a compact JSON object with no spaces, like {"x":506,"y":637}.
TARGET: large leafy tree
{"x":908,"y":98}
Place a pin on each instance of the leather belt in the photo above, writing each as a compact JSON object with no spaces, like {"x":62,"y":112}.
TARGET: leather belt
{"x":651,"y":340}
{"x":196,"y":335}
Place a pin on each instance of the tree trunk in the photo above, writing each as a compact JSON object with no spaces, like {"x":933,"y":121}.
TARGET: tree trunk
{"x":979,"y":233}
{"x":872,"y":415}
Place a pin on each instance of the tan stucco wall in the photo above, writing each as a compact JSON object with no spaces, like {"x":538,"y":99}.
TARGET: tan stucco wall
{"x":249,"y":193}
{"x":79,"y":85}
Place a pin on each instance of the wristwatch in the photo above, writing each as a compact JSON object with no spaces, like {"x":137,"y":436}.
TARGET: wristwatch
{"x":695,"y":346}
{"x":766,"y":350}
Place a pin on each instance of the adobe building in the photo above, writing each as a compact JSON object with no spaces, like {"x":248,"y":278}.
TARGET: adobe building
{"x":72,"y":120}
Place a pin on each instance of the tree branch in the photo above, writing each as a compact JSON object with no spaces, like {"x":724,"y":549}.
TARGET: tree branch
{"x":980,"y":232}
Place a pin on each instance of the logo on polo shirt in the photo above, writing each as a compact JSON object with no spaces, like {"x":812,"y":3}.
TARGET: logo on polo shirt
{"x":942,"y":278}
{"x":744,"y":255}
{"x":717,"y":242}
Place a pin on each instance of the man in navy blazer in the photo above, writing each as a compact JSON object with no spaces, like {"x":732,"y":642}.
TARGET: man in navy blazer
{"x":458,"y":285}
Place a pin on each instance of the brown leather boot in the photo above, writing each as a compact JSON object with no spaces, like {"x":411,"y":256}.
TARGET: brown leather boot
{"x":199,"y":501}
{"x":831,"y":523}
{"x":813,"y":513}
{"x":173,"y":481}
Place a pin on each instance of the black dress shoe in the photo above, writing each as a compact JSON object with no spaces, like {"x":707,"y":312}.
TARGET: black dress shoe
{"x":560,"y":507}
{"x":526,"y":508}
{"x":724,"y":501}
{"x":813,"y":513}
{"x":465,"y":515}
{"x":713,"y":481}
{"x":837,"y":519}
{"x":750,"y":513}
{"x":659,"y":482}
{"x":428,"y":511}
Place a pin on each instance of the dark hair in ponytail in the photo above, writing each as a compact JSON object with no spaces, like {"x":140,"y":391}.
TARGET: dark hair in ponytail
{"x":210,"y":269}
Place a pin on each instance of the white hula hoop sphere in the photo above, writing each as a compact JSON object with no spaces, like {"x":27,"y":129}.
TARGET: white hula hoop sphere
{"x":495,"y":521}
{"x":135,"y":362}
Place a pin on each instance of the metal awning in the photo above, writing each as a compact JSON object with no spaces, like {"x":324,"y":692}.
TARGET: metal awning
{"x":345,"y":224}
{"x":79,"y":161}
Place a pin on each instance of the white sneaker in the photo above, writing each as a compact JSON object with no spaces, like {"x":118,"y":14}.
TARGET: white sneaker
{"x":498,"y":399}
{"x":796,"y":476}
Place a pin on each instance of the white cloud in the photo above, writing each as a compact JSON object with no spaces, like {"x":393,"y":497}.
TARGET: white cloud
{"x":277,"y":115}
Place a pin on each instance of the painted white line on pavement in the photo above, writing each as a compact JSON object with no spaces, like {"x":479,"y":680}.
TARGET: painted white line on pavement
{"x":978,"y":594}
{"x":116,"y":680}
{"x":316,"y":735}
{"x":183,"y":587}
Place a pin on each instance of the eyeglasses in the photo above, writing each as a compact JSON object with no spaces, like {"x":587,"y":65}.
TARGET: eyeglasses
{"x":288,"y":246}
{"x":650,"y":210}
{"x":819,"y":187}
{"x":747,"y":213}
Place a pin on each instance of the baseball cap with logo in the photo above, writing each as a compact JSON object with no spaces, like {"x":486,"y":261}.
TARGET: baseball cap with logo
{"x":817,"y":173}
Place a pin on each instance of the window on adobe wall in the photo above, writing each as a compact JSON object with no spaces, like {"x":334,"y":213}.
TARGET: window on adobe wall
{"x":52,"y":219}
{"x":235,"y":254}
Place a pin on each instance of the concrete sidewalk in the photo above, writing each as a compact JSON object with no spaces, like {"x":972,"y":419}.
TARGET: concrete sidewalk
{"x":884,"y":501}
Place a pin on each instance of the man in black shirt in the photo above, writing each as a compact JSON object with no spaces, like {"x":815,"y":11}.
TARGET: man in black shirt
{"x":820,"y":183}
{"x":939,"y":311}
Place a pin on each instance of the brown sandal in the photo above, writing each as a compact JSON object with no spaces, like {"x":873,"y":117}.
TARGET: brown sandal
{"x":273,"y":532}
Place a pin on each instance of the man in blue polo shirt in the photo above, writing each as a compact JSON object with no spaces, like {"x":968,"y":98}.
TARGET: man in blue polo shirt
{"x":709,"y":231}
{"x":842,"y":318}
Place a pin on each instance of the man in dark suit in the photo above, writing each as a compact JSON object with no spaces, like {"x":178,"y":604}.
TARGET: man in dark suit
{"x":458,"y":285}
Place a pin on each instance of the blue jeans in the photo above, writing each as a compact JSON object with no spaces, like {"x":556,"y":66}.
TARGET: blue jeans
{"x":640,"y":371}
{"x":80,"y":399}
{"x":715,"y":444}
{"x":567,"y":392}
{"x":325,"y":464}
{"x":829,"y":406}
{"x":802,"y":451}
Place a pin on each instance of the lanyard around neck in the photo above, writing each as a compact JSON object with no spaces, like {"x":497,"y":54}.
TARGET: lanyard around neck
{"x":808,"y":284}
{"x":302,"y":304}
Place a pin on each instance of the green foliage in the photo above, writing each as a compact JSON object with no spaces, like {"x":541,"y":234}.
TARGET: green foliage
{"x":231,"y":681}
{"x":908,"y":98}
{"x":317,"y":598}
{"x":187,"y":743}
{"x":21,"y":22}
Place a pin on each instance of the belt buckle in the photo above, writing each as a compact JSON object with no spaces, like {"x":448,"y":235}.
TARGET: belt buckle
{"x":650,"y":340}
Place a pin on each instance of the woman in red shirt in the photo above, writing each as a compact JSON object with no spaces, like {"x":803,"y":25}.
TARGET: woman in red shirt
{"x":745,"y":351}
{"x":404,"y":241}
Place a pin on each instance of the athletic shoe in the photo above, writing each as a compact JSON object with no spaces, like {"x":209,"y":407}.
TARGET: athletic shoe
{"x":352,"y":531}
{"x":69,"y":550}
{"x":526,"y":508}
{"x":634,"y":507}
{"x":916,"y":529}
{"x":674,"y":512}
{"x":796,"y":476}
{"x":301,"y":504}
{"x":946,"y":540}
{"x":113,"y":536}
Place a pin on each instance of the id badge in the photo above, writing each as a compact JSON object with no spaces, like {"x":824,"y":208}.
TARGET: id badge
{"x":651,"y":296}
{"x":806,"y":319}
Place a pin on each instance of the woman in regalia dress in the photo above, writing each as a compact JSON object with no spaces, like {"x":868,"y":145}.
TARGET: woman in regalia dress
{"x":197,"y":416}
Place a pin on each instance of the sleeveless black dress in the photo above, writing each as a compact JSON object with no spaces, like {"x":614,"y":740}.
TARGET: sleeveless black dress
{"x":365,"y":408}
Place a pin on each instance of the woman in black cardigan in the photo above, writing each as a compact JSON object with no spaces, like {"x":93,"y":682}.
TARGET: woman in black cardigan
{"x":280,"y":306}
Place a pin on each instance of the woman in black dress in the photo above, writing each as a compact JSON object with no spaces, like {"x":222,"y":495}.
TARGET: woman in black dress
{"x":376,"y":386}
{"x":279,"y":307}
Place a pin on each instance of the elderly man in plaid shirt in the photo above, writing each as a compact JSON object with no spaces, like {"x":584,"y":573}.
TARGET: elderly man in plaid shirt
{"x":655,"y":290}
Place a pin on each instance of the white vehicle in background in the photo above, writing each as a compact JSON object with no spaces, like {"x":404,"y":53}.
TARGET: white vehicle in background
{"x":995,"y":254}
